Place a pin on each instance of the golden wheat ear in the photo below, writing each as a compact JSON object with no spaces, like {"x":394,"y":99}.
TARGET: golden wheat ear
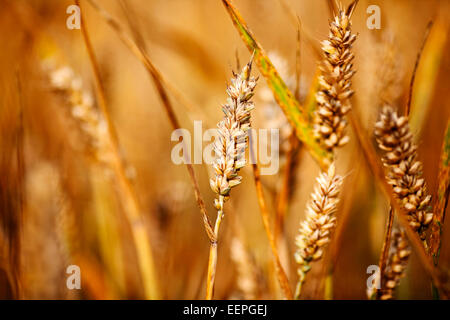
{"x":404,"y":171}
{"x":333,"y":97}
{"x":315,"y":231}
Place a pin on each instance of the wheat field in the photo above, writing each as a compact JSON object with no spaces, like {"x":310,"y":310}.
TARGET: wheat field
{"x":106,"y":191}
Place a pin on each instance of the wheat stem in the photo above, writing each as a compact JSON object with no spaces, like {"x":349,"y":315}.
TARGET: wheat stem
{"x":212,"y":263}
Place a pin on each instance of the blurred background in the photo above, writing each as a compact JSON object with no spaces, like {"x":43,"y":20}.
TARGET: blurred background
{"x":60,"y":206}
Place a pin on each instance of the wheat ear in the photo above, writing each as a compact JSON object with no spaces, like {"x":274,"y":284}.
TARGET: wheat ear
{"x":404,"y":172}
{"x":230,"y":148}
{"x":334,"y":82}
{"x":81,"y":103}
{"x":396,"y":265}
{"x":315,"y":231}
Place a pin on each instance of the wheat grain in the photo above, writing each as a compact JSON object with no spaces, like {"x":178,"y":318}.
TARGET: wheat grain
{"x":335,"y":82}
{"x":315,"y":231}
{"x":404,"y":172}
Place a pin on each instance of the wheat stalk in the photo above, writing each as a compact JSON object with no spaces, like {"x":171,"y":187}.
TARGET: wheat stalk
{"x":315,"y":231}
{"x":230,"y":153}
{"x":334,"y":82}
{"x":404,"y":172}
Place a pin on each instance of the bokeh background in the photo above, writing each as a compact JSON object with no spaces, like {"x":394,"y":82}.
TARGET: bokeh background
{"x":59,"y":207}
